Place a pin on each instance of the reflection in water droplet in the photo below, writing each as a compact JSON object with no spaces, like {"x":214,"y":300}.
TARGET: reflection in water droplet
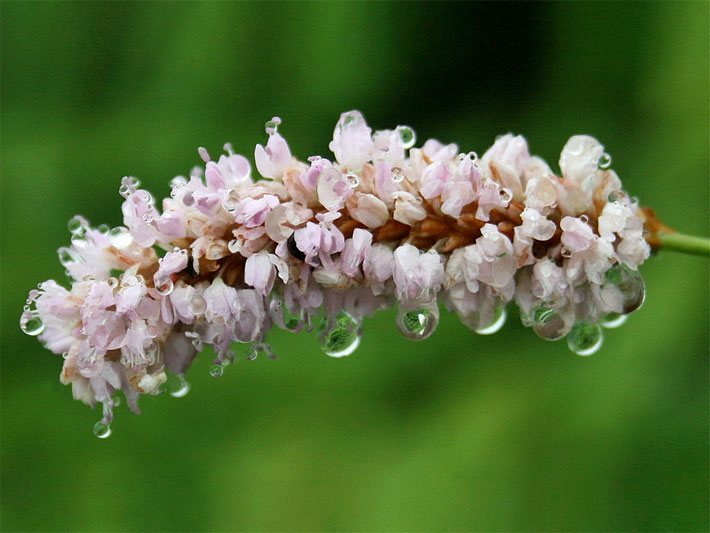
{"x":66,"y":256}
{"x":548,"y":323}
{"x":353,"y":181}
{"x":180,"y":388}
{"x":585,"y":338}
{"x":102,"y":430}
{"x":614,"y":320}
{"x":285,"y":318}
{"x":188,"y":199}
{"x":629,"y":283}
{"x":418,"y":323}
{"x":216,"y":370}
{"x":178,"y":181}
{"x":120,"y":238}
{"x":604,"y":161}
{"x":487,"y":320}
{"x":164,"y":286}
{"x":617,"y":196}
{"x":397,"y":175}
{"x":75,"y":225}
{"x":234,"y":246}
{"x":340,"y":337}
{"x":408,"y":136}
{"x":506,"y":195}
{"x":31,"y":323}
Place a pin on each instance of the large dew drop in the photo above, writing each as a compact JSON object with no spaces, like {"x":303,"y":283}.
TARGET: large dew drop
{"x":180,"y":387}
{"x":419,"y":323}
{"x":120,"y":238}
{"x":548,"y":323}
{"x":31,"y":323}
{"x":624,"y":284}
{"x":585,"y":338}
{"x":408,"y":136}
{"x":614,"y":320}
{"x":340,"y":337}
{"x":486,"y":321}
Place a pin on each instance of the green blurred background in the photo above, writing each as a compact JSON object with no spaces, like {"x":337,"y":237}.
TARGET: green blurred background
{"x":456,"y":433}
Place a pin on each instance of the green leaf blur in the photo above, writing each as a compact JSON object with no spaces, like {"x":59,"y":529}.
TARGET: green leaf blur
{"x":459,"y":432}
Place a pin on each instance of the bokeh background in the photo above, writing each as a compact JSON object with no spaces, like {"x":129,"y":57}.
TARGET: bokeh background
{"x":456,"y":433}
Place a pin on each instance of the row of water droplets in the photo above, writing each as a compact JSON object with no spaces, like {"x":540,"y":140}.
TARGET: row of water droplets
{"x":586,"y":336}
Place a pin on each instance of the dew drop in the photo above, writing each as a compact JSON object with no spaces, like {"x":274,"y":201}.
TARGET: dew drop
{"x":120,"y":238}
{"x":486,"y":321}
{"x":188,"y":199}
{"x":548,"y":324}
{"x":291,"y":321}
{"x":148,"y":218}
{"x":506,"y":195}
{"x":76,"y":225}
{"x":198,"y":304}
{"x":604,"y":161}
{"x":408,"y":136}
{"x":180,"y":388}
{"x":216,"y":370}
{"x":397,"y":175}
{"x":234,"y":246}
{"x":31,"y":323}
{"x":631,"y":285}
{"x":112,"y":282}
{"x":617,"y":196}
{"x":102,"y":430}
{"x":614,"y":320}
{"x":66,"y":256}
{"x":178,"y":181}
{"x":164,"y":286}
{"x":584,"y":219}
{"x":353,"y":181}
{"x":340,"y":337}
{"x":473,"y":156}
{"x":585,"y":338}
{"x":418,"y":323}
{"x":33,"y":295}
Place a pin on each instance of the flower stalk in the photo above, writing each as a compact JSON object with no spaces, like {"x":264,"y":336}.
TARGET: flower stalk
{"x":687,"y":244}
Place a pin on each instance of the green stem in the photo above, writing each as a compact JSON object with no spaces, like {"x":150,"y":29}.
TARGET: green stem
{"x":687,"y":244}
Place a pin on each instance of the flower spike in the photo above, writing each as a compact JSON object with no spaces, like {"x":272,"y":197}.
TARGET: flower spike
{"x":322,"y":244}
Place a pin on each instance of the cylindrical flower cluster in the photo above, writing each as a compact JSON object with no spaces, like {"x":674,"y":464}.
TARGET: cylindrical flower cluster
{"x":324,"y":243}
